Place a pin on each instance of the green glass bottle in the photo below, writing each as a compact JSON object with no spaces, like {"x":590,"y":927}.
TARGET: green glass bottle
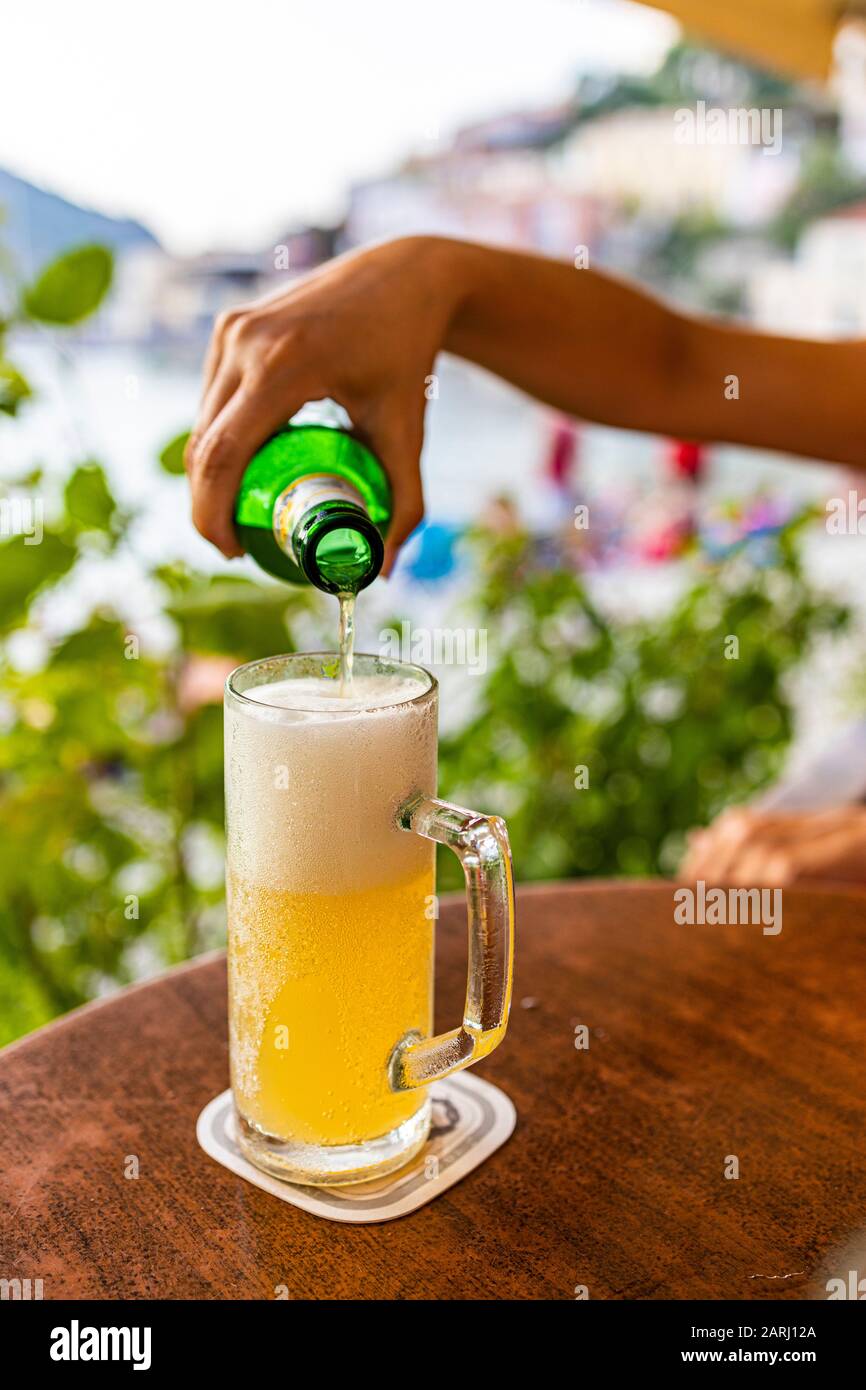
{"x":313,"y":507}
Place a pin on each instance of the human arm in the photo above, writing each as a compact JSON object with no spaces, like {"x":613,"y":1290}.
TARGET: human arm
{"x":365,"y":330}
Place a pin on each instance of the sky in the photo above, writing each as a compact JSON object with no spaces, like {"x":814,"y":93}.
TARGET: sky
{"x":221,"y":122}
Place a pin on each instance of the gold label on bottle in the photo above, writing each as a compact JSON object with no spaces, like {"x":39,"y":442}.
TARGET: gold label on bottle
{"x":301,"y":496}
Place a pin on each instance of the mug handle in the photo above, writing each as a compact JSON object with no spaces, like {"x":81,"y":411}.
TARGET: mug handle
{"x":481,"y":845}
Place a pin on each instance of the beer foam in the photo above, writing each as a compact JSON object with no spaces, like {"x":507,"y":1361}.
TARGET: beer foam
{"x":315,"y":782}
{"x":316,"y":857}
{"x":318,"y":695}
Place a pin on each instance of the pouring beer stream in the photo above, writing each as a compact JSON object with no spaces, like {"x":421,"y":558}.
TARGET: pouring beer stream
{"x":332,"y":819}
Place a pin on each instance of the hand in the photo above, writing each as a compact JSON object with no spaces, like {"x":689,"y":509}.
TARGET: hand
{"x":758,"y":849}
{"x":363,"y":330}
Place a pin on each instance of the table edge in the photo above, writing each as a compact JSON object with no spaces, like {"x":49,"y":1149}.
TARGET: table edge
{"x":577,"y":887}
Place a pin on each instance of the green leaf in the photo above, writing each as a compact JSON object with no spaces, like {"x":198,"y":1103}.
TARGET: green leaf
{"x":234,"y":617}
{"x":88,"y":499}
{"x":27,"y":564}
{"x":171,"y":458}
{"x":101,"y":642}
{"x":24,"y":1002}
{"x":14,"y":388}
{"x":71,"y":287}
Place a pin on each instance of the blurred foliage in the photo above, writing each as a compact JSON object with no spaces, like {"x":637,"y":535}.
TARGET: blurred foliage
{"x":684,"y":241}
{"x":663,"y":727}
{"x":111,"y":755}
{"x":70,"y":288}
{"x":13,"y":388}
{"x":171,"y":457}
{"x":826,"y":183}
{"x":691,"y":72}
{"x":678,"y":253}
{"x":110,"y":769}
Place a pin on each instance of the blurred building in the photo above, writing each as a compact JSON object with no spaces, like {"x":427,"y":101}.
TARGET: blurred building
{"x":494,"y":182}
{"x":613,"y":186}
{"x":300,"y":249}
{"x":821,"y":290}
{"x":157,"y":297}
{"x":554,"y":182}
{"x":633,"y":158}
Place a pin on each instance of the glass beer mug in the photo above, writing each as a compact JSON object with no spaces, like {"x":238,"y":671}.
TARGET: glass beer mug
{"x":331,"y":818}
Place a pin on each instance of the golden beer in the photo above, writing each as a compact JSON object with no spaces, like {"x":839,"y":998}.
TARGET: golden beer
{"x":330,"y":909}
{"x":323,"y":986}
{"x":331,"y":815}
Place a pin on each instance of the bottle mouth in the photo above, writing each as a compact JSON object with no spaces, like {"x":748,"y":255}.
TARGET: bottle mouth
{"x":342,"y":551}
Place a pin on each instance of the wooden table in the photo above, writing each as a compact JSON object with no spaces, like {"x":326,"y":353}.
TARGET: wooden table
{"x":705,"y":1042}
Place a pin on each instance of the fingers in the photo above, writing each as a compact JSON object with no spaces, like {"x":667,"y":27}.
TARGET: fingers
{"x":216,"y":346}
{"x":839,"y":853}
{"x":399,"y":450}
{"x":737,"y":841}
{"x":762,"y":866}
{"x":219,"y":393}
{"x":752,"y":849}
{"x":712,"y":852}
{"x":217,"y":457}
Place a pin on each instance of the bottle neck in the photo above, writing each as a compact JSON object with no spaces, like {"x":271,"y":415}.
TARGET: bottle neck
{"x":320,"y":521}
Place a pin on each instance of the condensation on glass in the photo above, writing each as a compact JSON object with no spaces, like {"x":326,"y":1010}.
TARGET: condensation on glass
{"x":331,"y":816}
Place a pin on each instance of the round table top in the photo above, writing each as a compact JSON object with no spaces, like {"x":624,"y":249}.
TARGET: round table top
{"x":706,"y":1043}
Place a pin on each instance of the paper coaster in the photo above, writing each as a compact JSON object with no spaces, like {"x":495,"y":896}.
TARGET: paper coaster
{"x":471,"y":1120}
